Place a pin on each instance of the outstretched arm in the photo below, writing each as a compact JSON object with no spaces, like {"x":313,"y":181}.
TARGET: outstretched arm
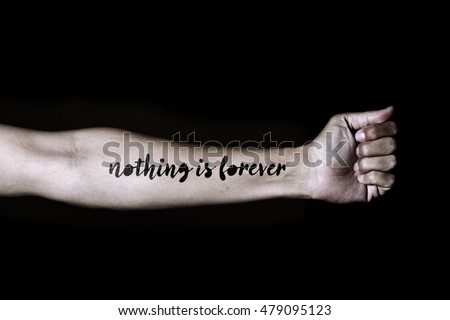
{"x":97,"y":168}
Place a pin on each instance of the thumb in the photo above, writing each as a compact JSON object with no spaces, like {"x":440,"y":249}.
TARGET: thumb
{"x":359,"y":120}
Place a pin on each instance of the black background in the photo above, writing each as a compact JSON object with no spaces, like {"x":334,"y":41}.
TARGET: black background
{"x":225,"y":86}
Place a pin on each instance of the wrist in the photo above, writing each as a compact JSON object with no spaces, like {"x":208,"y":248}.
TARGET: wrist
{"x":298,"y":176}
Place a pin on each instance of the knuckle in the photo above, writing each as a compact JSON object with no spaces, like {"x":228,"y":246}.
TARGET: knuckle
{"x":392,"y":127}
{"x":391,"y":144}
{"x":391,"y":180}
{"x":393,"y":161}
{"x":338,"y":117}
{"x":390,"y":162}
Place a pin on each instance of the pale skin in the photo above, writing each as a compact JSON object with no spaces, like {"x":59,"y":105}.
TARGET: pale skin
{"x":67,"y":166}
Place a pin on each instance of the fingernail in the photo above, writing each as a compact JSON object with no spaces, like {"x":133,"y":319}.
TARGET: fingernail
{"x":359,"y":136}
{"x":360,"y":178}
{"x":356,"y":167}
{"x":357,"y":152}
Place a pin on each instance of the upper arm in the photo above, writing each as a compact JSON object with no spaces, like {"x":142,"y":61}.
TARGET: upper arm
{"x":36,"y":162}
{"x":69,"y":166}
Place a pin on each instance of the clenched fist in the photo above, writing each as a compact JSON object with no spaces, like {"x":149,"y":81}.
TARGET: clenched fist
{"x":354,"y":156}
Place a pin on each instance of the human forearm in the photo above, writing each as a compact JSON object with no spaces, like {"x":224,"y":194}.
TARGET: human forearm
{"x":12,"y":161}
{"x":187,"y":175}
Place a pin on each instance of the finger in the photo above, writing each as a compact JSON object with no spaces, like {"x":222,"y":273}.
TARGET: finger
{"x":376,"y":131}
{"x":359,"y":120}
{"x":383,"y":163}
{"x":381,"y":179}
{"x":382,"y":190}
{"x":380,"y":147}
{"x":375,"y":191}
